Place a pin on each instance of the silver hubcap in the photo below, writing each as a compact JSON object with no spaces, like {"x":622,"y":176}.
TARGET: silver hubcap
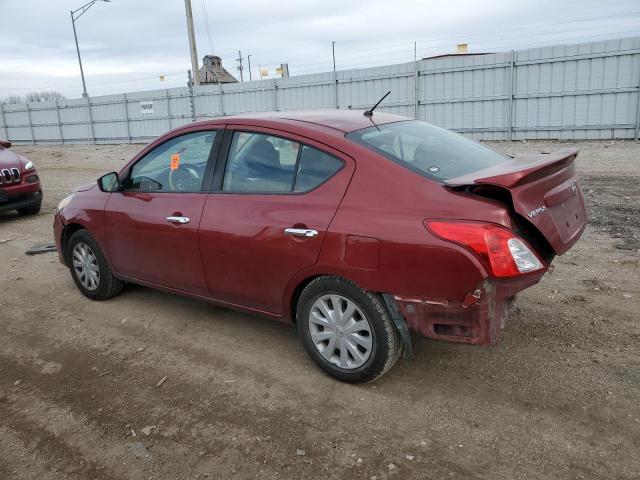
{"x":85,"y":264}
{"x":340,"y":331}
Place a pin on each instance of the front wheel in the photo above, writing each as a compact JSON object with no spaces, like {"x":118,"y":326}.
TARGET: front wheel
{"x":89,"y":268}
{"x":346,"y":330}
{"x":31,"y":210}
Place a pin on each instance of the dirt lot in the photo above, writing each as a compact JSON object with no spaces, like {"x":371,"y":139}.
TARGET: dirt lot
{"x":559,"y":398}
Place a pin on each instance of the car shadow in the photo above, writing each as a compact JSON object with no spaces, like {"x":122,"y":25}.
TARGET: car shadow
{"x":13,"y":216}
{"x":434,"y":362}
{"x":9,"y":216}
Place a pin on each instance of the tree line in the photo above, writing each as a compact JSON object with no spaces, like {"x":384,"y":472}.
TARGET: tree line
{"x":34,"y":97}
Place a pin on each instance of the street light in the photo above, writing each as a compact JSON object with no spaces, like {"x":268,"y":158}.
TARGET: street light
{"x":75,"y":16}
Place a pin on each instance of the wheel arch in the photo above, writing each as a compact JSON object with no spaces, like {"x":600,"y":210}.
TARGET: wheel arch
{"x":297,"y":291}
{"x":67,"y":232}
{"x":387,"y":301}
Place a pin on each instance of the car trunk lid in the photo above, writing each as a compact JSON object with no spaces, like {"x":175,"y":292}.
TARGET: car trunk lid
{"x":544,"y":190}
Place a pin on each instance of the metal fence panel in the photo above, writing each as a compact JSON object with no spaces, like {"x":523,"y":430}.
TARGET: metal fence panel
{"x":585,"y":91}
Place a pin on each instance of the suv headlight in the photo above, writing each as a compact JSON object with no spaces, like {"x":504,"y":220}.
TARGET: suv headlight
{"x":65,"y":201}
{"x":28,"y":165}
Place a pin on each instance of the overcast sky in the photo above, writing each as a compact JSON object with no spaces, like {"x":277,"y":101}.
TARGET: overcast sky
{"x":127,"y":44}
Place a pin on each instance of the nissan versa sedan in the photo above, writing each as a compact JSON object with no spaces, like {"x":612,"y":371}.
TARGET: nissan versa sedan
{"x":360,"y":229}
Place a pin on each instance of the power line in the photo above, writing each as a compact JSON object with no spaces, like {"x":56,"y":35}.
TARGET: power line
{"x":408,"y":50}
{"x":404,"y":52}
{"x":206,"y":22}
{"x":456,"y":37}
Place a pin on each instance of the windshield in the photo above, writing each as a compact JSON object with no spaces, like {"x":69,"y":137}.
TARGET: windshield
{"x":428,"y":150}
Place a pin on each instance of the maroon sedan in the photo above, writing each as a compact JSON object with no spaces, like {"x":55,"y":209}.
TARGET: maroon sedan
{"x":358,"y":229}
{"x":19,"y":182}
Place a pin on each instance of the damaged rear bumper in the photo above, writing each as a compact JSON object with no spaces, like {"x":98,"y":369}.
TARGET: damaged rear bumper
{"x":478,"y":319}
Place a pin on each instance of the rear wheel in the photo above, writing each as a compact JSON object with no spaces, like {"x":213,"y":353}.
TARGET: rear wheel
{"x":89,"y":268}
{"x":346,"y":330}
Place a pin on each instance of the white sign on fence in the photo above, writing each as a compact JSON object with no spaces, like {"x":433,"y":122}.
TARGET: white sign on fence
{"x":146,"y":108}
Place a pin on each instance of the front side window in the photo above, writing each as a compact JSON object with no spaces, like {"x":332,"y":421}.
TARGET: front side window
{"x":260,"y":163}
{"x":426,"y":149}
{"x":178,"y":165}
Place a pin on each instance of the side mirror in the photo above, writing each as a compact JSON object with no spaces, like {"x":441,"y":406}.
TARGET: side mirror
{"x":5,"y":143}
{"x":109,"y":182}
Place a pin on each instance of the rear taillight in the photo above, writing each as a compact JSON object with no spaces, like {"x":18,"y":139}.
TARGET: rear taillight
{"x":503,"y":251}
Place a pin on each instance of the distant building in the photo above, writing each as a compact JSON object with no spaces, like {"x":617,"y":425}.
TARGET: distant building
{"x":212,"y":71}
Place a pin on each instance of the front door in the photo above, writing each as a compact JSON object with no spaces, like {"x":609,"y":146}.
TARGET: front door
{"x":152,"y":224}
{"x":276,"y":198}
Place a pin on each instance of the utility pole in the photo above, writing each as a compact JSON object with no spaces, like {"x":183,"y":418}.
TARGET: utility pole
{"x":75,"y":15}
{"x":192,"y":43}
{"x":240,"y":67}
{"x":249,"y":62}
{"x":84,"y":85}
{"x":335,"y":77}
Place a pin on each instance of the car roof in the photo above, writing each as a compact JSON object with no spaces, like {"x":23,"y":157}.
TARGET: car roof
{"x":343,"y":121}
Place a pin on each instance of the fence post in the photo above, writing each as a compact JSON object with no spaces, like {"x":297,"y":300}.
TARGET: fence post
{"x":638,"y":112}
{"x":4,"y":122}
{"x":126,"y":114}
{"x":275,"y":95}
{"x":221,"y":100}
{"x":166,"y":92}
{"x":416,"y":102}
{"x":93,"y":132}
{"x":511,"y":92}
{"x":59,"y":122}
{"x":33,"y":138}
{"x":191,"y":101}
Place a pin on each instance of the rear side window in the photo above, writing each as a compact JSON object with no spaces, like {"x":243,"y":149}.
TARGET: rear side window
{"x":426,"y":149}
{"x":314,"y":168}
{"x":255,"y":164}
{"x":259,"y":163}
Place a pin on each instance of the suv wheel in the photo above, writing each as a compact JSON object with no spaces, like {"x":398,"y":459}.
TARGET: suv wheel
{"x":89,"y":268}
{"x":346,"y":330}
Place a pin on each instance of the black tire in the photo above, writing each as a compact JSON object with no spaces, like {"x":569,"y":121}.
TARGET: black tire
{"x":31,"y":210}
{"x":108,"y":285}
{"x":387,"y":345}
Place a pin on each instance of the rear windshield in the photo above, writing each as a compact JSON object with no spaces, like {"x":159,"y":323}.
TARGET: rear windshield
{"x":428,"y":150}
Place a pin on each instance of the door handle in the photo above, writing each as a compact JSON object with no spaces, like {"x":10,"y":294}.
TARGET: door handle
{"x":300,"y":232}
{"x":178,"y":220}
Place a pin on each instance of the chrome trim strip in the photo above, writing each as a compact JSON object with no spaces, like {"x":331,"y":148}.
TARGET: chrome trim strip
{"x":178,"y":220}
{"x":9,"y":176}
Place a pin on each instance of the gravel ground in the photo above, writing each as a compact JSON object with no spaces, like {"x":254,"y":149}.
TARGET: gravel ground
{"x":558,"y":398}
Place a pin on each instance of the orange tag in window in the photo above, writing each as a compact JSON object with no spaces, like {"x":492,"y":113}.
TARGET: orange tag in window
{"x":175,"y":161}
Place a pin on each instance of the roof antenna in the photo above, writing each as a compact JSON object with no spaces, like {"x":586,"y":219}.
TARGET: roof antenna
{"x":369,"y":113}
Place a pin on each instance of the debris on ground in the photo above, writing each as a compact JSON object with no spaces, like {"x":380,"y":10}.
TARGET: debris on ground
{"x":39,"y":248}
{"x":148,"y":429}
{"x":139,"y":450}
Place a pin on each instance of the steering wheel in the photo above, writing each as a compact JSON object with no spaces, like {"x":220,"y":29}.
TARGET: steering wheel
{"x":185,"y":178}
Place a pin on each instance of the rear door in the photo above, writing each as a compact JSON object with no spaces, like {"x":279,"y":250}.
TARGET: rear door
{"x":277,"y":194}
{"x":152,"y":224}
